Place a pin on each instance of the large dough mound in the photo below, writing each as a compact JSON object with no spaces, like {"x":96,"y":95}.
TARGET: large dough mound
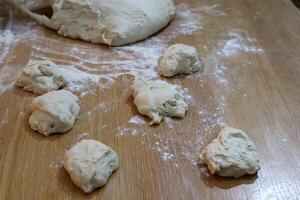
{"x":112,"y":22}
{"x":54,"y":112}
{"x":179,"y":59}
{"x":90,"y":164}
{"x":231,"y":154}
{"x":41,"y":77}
{"x":157,"y":99}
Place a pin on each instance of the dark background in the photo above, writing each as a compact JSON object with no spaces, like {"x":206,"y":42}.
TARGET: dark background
{"x":296,"y":2}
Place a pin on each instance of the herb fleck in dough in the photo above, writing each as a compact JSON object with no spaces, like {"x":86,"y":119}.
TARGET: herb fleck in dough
{"x":157,"y":99}
{"x":41,"y":77}
{"x":54,"y":112}
{"x":179,"y":59}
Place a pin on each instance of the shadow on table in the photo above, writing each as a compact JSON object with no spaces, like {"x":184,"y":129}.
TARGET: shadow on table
{"x":69,"y":188}
{"x":212,"y":181}
{"x":21,"y":93}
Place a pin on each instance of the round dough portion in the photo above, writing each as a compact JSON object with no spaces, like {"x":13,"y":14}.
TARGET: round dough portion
{"x":157,"y":99}
{"x":41,"y":77}
{"x":231,"y":154}
{"x":112,"y":22}
{"x":179,"y":59}
{"x":90,"y":163}
{"x":54,"y":112}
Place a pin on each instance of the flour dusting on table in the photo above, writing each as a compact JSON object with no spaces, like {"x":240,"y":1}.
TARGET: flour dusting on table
{"x":87,"y":64}
{"x":137,"y":120}
{"x":139,"y":59}
{"x":82,"y":136}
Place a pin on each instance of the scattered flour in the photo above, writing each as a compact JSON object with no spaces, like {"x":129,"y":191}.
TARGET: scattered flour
{"x":122,"y":131}
{"x":180,"y":143}
{"x":4,"y":118}
{"x":56,"y":164}
{"x":87,"y":64}
{"x":88,"y":60}
{"x":238,"y":44}
{"x":81,"y":136}
{"x":137,"y":120}
{"x":169,"y":122}
{"x":6,"y":37}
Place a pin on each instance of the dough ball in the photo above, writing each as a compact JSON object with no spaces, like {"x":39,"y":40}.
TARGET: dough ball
{"x":41,"y":77}
{"x":112,"y":22}
{"x":179,"y":59}
{"x":157,"y":99}
{"x":90,"y":164}
{"x":231,"y":154}
{"x":54,"y":112}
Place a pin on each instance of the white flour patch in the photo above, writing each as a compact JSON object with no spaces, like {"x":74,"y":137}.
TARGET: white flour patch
{"x":94,"y":61}
{"x":4,"y":118}
{"x":81,"y":136}
{"x":238,"y":44}
{"x":77,"y":80}
{"x":87,"y":64}
{"x":6,"y":37}
{"x":169,"y":122}
{"x":187,"y":21}
{"x":7,"y":76}
{"x":186,"y":94}
{"x":138,"y":120}
{"x":103,"y":107}
{"x":57,"y":164}
{"x":220,"y":75}
{"x":213,"y":10}
{"x":167,"y":156}
{"x":122,"y":131}
{"x":184,"y":138}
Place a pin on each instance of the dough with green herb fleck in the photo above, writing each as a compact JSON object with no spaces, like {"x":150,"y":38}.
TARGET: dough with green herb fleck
{"x":157,"y":99}
{"x":41,"y":77}
{"x":54,"y":112}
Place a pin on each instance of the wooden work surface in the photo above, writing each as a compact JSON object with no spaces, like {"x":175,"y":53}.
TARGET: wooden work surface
{"x":251,"y":81}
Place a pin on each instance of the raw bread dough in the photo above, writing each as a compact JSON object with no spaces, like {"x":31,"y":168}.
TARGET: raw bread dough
{"x":41,"y":77}
{"x":112,"y":22}
{"x":157,"y":99}
{"x":179,"y":59}
{"x":231,"y":154}
{"x":54,"y":112}
{"x":42,"y":19}
{"x":36,"y":4}
{"x":90,"y":164}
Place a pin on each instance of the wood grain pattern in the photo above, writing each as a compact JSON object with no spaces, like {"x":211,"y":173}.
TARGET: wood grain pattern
{"x":262,"y":96}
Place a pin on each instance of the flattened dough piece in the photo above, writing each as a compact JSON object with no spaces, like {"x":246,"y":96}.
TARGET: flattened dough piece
{"x":157,"y":99}
{"x":231,"y":154}
{"x":54,"y":112}
{"x":179,"y":59}
{"x":90,"y":164}
{"x":41,"y":77}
